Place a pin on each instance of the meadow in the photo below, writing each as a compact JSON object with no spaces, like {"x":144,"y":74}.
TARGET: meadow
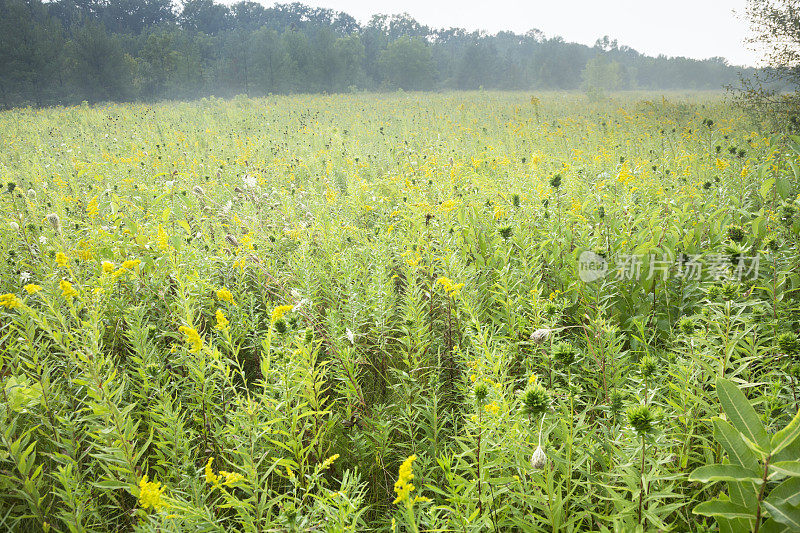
{"x":407,"y":312}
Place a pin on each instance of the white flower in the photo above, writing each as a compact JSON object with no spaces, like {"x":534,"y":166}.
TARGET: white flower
{"x":249,"y":181}
{"x":539,"y":458}
{"x":169,"y":184}
{"x":25,"y":276}
{"x":42,"y":239}
{"x":14,"y":226}
{"x":350,"y":336}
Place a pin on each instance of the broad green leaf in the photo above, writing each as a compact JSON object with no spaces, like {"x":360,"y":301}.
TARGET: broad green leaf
{"x":771,"y":526}
{"x":725,"y":473}
{"x":766,"y":187}
{"x":784,"y":187}
{"x":741,"y":413}
{"x":787,"y":435}
{"x":738,"y":452}
{"x":785,"y":514}
{"x":723,"y":509}
{"x":787,"y":492}
{"x":788,"y":468}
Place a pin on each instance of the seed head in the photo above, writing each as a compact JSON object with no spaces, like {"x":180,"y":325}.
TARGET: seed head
{"x":535,"y":401}
{"x":541,"y":335}
{"x":538,"y":459}
{"x":55,"y":222}
{"x":641,"y":419}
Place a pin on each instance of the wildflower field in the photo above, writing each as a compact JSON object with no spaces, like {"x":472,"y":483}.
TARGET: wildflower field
{"x":399,"y":312}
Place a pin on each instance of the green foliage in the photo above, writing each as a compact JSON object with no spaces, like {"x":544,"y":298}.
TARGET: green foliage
{"x":250,"y":315}
{"x":763,"y":482}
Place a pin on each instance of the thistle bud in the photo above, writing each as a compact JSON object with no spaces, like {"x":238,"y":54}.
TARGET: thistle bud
{"x":232,"y":240}
{"x":535,"y":401}
{"x":538,"y":459}
{"x":14,"y":226}
{"x":54,"y":221}
{"x":198,"y":191}
{"x":31,"y":194}
{"x":481,"y":390}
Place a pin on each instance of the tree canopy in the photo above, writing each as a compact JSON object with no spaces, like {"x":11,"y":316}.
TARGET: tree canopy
{"x":67,"y":51}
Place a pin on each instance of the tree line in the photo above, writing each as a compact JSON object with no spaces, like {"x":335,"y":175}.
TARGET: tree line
{"x":68,"y":51}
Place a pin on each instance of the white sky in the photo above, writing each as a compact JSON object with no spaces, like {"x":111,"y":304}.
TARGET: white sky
{"x":692,"y":28}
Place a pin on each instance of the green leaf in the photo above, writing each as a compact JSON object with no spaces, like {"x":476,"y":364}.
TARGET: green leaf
{"x":785,"y":514}
{"x":784,"y":187}
{"x":787,"y":492}
{"x":787,"y":435}
{"x":771,"y":526}
{"x":766,"y":187}
{"x":725,"y":473}
{"x":788,"y":468}
{"x":741,"y":413}
{"x":723,"y":509}
{"x":737,"y":450}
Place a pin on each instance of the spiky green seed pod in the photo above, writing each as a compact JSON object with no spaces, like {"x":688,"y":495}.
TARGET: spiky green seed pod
{"x":641,"y":419}
{"x":789,"y":344}
{"x":481,"y":391}
{"x":616,"y":400}
{"x":535,"y":401}
{"x":648,"y":366}
{"x":564,"y":353}
{"x":735,"y":233}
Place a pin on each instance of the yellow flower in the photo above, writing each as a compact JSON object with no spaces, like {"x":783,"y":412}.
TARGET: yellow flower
{"x":61,"y":259}
{"x":32,"y":288}
{"x":108,"y":267}
{"x":222,"y":322}
{"x":130,"y":264}
{"x":10,"y":301}
{"x":403,"y":486}
{"x":66,"y":289}
{"x":225,"y":295}
{"x":329,"y":461}
{"x":231,"y":478}
{"x":493,"y":408}
{"x":279,"y":311}
{"x":92,"y":208}
{"x":449,"y":286}
{"x":211,"y":477}
{"x":163,"y":239}
{"x":193,"y":338}
{"x":150,"y":494}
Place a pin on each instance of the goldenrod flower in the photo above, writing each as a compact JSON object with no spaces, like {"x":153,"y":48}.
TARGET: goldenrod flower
{"x":211,"y":477}
{"x":66,"y":289}
{"x":193,"y":338}
{"x":10,"y":301}
{"x":61,"y":259}
{"x":32,"y":288}
{"x":231,"y":478}
{"x":449,"y":286}
{"x":279,"y":311}
{"x":329,"y":461}
{"x":225,"y":295}
{"x":108,"y":267}
{"x":222,"y":322}
{"x":403,"y":486}
{"x":150,"y":494}
{"x":92,"y":208}
{"x":131,"y":264}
